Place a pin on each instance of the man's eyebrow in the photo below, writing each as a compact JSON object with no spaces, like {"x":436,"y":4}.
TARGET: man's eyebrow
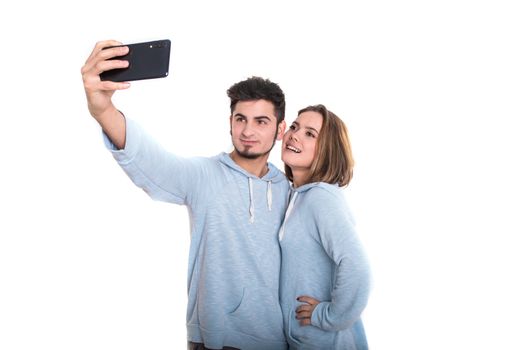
{"x":257,"y":117}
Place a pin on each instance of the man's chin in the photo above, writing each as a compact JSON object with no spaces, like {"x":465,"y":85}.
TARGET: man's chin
{"x":251,"y":155}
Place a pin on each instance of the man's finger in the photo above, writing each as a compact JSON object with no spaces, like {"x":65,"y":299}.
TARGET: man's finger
{"x":103,"y":66}
{"x":109,"y":85}
{"x":102,"y":56}
{"x":113,"y":52}
{"x":100,"y":45}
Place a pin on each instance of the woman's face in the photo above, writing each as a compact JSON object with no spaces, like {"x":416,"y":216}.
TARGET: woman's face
{"x":300,"y":141}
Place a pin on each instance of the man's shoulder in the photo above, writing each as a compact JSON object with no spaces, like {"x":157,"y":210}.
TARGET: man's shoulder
{"x":277,"y":175}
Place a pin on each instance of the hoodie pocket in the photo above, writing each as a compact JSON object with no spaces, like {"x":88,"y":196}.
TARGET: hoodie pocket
{"x":258,"y":315}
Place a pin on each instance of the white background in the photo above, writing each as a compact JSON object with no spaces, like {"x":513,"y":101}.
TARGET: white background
{"x":432,"y":93}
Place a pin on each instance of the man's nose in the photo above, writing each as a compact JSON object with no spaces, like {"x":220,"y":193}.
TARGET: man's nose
{"x":248,"y":129}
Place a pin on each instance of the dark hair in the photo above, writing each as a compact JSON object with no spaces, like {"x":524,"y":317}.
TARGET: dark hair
{"x":257,"y":88}
{"x":333,"y":161}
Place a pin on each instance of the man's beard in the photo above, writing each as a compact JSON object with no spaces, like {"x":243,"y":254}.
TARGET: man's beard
{"x":247,"y":155}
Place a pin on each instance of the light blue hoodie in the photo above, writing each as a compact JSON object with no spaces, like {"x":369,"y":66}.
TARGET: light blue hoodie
{"x":323,"y":258}
{"x":234,"y":262}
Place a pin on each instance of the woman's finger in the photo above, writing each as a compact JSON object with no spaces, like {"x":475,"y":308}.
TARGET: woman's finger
{"x":303,"y":314}
{"x":305,"y":322}
{"x":303,"y":307}
{"x":308,"y":299}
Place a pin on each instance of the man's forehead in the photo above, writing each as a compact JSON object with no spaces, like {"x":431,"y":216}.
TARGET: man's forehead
{"x":255,"y":109}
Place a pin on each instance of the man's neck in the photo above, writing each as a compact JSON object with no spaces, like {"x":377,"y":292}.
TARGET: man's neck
{"x":257,"y":166}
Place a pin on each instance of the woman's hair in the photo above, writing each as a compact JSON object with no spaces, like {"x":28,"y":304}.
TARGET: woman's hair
{"x":257,"y":88}
{"x":333,"y":162}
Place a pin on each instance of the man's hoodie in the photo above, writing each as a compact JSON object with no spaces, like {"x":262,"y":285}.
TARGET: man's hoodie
{"x":234,"y":258}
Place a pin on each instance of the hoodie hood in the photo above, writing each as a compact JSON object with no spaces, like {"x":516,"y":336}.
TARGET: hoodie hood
{"x":294,"y":192}
{"x":273,"y":176}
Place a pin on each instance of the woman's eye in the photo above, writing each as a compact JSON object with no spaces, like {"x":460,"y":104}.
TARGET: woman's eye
{"x":292,"y":127}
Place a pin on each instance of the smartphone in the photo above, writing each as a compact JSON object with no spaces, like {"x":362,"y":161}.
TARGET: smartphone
{"x":148,"y":60}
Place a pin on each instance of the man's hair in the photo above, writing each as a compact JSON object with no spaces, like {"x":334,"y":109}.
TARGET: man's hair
{"x":256,"y":88}
{"x":333,"y":161}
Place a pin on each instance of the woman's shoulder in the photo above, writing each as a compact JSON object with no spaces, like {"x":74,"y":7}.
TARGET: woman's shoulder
{"x":325,"y":197}
{"x":323,"y":190}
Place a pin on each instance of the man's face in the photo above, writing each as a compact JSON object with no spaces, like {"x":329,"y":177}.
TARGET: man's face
{"x":254,"y":128}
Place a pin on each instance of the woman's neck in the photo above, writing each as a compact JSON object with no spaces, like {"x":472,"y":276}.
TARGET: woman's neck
{"x":299,"y":177}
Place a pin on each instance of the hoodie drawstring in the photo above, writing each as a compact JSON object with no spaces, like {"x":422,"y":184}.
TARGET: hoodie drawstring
{"x":288,"y":211}
{"x":252,"y":204}
{"x":269,"y":195}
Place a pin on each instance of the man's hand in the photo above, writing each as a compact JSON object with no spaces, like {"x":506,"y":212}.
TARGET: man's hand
{"x":99,"y":93}
{"x":304,"y":312}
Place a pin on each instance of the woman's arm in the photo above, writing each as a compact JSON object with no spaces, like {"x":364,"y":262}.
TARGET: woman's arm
{"x":351,"y":287}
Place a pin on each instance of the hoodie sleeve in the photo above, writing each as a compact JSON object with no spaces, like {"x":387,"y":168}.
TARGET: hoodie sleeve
{"x":351,"y":287}
{"x":162,"y":175}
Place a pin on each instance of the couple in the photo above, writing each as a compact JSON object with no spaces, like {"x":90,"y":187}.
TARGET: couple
{"x":271,"y":266}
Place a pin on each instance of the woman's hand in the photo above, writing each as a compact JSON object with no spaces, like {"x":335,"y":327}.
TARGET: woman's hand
{"x":304,"y":312}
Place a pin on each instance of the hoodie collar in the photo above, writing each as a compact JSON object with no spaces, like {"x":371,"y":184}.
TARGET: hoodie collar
{"x":306,"y":187}
{"x":273,"y":175}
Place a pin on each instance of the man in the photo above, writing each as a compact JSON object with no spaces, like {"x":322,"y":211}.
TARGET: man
{"x":236,"y":201}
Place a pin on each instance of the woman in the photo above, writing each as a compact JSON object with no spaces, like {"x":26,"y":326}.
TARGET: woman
{"x":324,"y":283}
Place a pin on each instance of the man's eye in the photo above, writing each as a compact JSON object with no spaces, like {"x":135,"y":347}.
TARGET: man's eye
{"x":292,"y":127}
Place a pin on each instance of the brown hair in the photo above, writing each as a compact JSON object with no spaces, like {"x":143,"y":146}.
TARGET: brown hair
{"x":257,"y":88}
{"x":333,"y":161}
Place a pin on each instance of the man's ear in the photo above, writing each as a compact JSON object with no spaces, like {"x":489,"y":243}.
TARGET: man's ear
{"x":281,"y":128}
{"x":231,"y":125}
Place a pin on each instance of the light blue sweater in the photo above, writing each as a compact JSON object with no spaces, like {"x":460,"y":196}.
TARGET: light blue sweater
{"x":234,"y":262}
{"x":323,"y":258}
